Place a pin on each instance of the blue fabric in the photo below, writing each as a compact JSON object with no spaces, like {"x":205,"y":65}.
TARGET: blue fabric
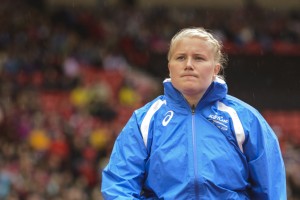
{"x":195,"y":155}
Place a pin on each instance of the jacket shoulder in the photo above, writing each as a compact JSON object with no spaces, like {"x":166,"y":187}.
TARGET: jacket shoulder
{"x":241,"y":106}
{"x":151,"y":106}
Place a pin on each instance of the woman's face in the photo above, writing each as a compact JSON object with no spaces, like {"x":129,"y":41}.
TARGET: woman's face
{"x":192,"y":67}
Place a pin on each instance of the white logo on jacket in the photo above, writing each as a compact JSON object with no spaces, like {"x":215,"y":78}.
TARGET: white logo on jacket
{"x":167,"y":118}
{"x":219,"y":121}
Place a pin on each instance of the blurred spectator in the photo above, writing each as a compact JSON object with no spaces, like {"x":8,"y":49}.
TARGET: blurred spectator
{"x":114,"y":60}
{"x":71,"y":68}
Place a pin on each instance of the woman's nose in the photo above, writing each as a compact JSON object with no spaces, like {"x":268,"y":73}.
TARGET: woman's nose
{"x":189,"y":63}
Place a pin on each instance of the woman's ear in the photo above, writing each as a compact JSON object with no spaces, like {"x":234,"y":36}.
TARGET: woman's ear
{"x":217,"y":69}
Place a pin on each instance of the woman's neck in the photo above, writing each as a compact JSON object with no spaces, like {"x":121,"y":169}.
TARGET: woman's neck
{"x":193,"y":100}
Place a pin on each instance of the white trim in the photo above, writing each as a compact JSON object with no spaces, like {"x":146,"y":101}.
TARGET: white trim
{"x":219,"y":80}
{"x":146,"y":121}
{"x":167,"y":80}
{"x":237,"y":125}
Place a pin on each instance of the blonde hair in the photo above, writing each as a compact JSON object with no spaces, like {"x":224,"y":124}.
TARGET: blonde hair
{"x":201,"y":33}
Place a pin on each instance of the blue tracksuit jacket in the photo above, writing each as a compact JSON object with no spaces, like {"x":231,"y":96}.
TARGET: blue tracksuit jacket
{"x":221,"y":149}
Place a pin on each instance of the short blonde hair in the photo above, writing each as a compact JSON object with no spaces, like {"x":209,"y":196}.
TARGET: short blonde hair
{"x":201,"y":33}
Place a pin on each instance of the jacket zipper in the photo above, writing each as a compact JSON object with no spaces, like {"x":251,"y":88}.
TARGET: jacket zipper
{"x":195,"y":153}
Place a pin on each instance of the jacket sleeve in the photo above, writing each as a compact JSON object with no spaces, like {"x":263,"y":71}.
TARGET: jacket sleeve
{"x":265,"y":162}
{"x":123,"y":177}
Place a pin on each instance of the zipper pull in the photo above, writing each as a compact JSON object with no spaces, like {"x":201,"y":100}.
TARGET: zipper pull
{"x":193,"y":109}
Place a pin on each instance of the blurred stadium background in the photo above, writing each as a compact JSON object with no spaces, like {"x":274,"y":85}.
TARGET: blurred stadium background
{"x":72,"y":72}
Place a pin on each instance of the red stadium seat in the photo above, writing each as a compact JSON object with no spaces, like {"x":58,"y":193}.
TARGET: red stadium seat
{"x":288,"y":121}
{"x":56,"y":101}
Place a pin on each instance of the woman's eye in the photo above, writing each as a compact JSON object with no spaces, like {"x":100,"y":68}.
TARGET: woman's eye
{"x":198,"y":58}
{"x":180,"y":58}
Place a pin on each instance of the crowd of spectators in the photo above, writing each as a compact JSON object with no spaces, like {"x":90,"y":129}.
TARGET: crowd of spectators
{"x":70,"y":78}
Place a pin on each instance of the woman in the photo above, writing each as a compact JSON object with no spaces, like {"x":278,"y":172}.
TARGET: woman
{"x":195,"y":141}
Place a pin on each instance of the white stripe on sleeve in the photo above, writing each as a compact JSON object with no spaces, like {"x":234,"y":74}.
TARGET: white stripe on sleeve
{"x":146,"y":121}
{"x":237,"y":125}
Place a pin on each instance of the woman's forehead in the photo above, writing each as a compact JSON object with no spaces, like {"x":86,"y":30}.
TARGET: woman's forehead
{"x":191,"y":42}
